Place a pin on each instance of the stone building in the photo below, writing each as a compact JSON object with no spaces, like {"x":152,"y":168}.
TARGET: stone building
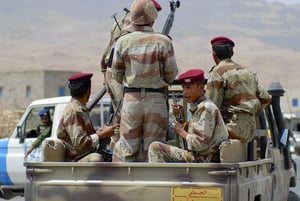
{"x":18,"y":89}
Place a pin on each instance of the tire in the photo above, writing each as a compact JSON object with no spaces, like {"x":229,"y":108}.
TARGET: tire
{"x":293,"y":196}
{"x":294,"y":166}
{"x":297,"y":149}
{"x":7,"y":194}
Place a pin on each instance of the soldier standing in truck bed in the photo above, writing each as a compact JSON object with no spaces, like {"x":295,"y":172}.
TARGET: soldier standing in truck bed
{"x":115,"y":89}
{"x":144,"y":62}
{"x":236,"y":90}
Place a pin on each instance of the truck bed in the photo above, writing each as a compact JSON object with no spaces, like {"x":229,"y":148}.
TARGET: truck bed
{"x":144,"y":181}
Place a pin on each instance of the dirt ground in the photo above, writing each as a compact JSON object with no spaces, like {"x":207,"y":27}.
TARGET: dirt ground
{"x":8,"y":120}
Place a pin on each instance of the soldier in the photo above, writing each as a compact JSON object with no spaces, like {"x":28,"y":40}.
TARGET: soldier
{"x":47,"y":124}
{"x":75,"y":128}
{"x":144,"y":62}
{"x":115,"y":89}
{"x":236,"y":90}
{"x":205,"y":131}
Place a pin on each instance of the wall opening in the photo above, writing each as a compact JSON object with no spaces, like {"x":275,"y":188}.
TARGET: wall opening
{"x":28,"y":91}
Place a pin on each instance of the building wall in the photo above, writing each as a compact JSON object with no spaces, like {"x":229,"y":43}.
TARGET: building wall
{"x":291,"y":102}
{"x":18,"y":89}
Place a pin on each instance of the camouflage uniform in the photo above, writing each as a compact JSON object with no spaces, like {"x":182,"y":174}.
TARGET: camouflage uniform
{"x":144,"y":62}
{"x":76,"y":131}
{"x":238,"y":93}
{"x":206,"y":131}
{"x":114,"y":89}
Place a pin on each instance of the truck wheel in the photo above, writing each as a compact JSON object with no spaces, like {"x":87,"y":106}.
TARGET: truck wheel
{"x":293,"y":196}
{"x":6,"y":194}
{"x":294,"y":166}
{"x":297,"y":149}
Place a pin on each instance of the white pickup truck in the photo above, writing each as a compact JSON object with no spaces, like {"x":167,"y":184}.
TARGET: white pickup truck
{"x":12,"y":149}
{"x":267,"y":174}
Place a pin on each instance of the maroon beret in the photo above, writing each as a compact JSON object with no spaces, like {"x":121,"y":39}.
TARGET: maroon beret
{"x":191,"y":76}
{"x":157,"y":6}
{"x":80,"y":76}
{"x":221,"y":40}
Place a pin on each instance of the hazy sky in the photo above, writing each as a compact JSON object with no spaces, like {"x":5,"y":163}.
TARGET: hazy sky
{"x":287,"y":1}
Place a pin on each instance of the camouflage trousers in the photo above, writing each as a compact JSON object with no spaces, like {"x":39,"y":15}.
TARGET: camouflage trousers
{"x":92,"y":157}
{"x":115,"y":91}
{"x":160,"y":152}
{"x":241,"y":126}
{"x":144,"y":119}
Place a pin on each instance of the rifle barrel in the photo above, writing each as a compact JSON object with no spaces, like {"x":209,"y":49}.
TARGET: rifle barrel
{"x":96,"y":99}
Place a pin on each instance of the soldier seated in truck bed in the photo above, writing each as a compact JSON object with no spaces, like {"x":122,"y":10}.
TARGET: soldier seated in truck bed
{"x":205,"y":131}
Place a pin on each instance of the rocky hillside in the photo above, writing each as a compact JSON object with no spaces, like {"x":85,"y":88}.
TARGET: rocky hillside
{"x":59,"y":35}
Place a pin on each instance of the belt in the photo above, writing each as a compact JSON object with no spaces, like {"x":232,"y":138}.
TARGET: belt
{"x":149,"y":90}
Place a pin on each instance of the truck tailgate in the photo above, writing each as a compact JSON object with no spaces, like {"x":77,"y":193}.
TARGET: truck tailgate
{"x":132,"y":181}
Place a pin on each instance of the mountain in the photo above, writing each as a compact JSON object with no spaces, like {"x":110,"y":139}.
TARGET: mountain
{"x":72,"y":34}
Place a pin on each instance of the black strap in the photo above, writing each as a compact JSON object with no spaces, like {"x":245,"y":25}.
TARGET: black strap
{"x":149,"y":90}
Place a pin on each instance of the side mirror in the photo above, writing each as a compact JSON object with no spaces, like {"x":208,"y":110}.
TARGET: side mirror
{"x":20,"y":134}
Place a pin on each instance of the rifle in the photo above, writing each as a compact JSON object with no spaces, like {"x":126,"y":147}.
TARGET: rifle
{"x":178,"y":118}
{"x":102,"y":149}
{"x":169,"y":22}
{"x":96,"y":99}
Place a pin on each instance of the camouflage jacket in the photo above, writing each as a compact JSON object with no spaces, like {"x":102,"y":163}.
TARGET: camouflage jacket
{"x":76,"y":131}
{"x":235,"y":89}
{"x":206,"y":128}
{"x":144,"y":59}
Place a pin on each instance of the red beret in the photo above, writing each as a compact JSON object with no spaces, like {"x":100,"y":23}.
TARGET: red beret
{"x":191,"y":76}
{"x":157,"y":6}
{"x":221,"y":40}
{"x":80,"y":76}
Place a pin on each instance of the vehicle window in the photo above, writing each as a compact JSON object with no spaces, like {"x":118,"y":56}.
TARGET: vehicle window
{"x":97,"y":117}
{"x":33,"y":120}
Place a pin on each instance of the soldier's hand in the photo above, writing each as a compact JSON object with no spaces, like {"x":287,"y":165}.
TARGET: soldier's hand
{"x":177,"y":109}
{"x":28,"y":152}
{"x":106,"y":131}
{"x":179,"y":128}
